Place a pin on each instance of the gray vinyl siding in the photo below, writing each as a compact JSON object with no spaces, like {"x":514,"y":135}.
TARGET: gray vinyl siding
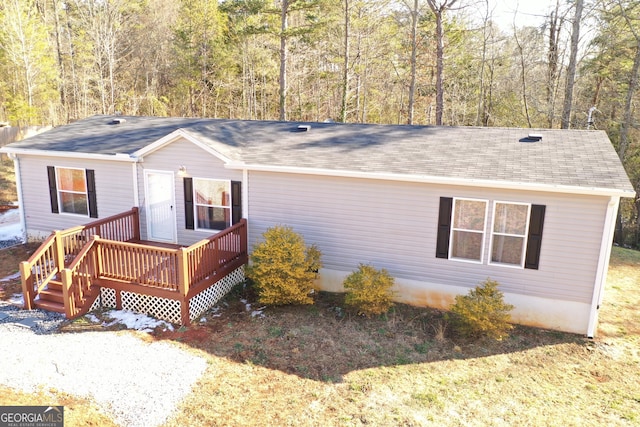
{"x":114,"y":191}
{"x":199,"y":164}
{"x":393,"y":225}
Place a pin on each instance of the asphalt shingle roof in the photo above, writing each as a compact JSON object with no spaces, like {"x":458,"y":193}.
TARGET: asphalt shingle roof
{"x":575,"y":158}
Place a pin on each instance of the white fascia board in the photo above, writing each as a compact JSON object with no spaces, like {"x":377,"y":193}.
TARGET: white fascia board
{"x":603,"y":264}
{"x":118,"y":157}
{"x":485,"y":183}
{"x":172,"y":137}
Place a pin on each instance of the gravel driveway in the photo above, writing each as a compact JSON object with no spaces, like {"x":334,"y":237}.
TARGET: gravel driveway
{"x":136,"y":382}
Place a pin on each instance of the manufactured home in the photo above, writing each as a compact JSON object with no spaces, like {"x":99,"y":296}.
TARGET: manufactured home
{"x":441,"y":208}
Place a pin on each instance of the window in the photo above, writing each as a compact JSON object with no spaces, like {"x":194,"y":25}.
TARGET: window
{"x":467,"y":230}
{"x":72,"y":190}
{"x":509,"y":233}
{"x":516,"y":233}
{"x":207,"y":204}
{"x":212,"y":200}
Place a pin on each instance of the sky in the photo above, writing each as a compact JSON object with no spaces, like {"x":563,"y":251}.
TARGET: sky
{"x":527,"y":12}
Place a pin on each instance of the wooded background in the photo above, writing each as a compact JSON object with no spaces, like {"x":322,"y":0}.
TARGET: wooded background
{"x":367,"y":61}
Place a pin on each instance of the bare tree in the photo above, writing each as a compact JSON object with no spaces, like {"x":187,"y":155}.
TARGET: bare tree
{"x":438,"y":7}
{"x":553,"y":61}
{"x":345,"y":70}
{"x":571,"y":69}
{"x":523,"y":80}
{"x":627,"y":122}
{"x":415,"y":14}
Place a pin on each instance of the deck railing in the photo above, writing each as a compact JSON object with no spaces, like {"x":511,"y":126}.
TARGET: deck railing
{"x":104,"y":253}
{"x":141,"y":264}
{"x":174,"y":270}
{"x":216,"y":255}
{"x":61,"y":247}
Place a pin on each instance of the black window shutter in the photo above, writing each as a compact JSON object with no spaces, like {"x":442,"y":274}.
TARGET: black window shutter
{"x":91,"y":193}
{"x":534,"y":242}
{"x":236,"y":202}
{"x":53,"y":189}
{"x":444,"y":227}
{"x":188,"y":203}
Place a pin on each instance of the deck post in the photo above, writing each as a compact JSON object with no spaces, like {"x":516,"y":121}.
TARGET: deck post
{"x":59,"y":250}
{"x":136,"y":223}
{"x":183,"y":284}
{"x":27,"y":284}
{"x":98,"y":256}
{"x":67,"y":297}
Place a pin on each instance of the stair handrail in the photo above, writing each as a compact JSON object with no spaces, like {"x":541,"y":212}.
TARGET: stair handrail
{"x":73,"y":282}
{"x":47,"y":261}
{"x":50,"y":257}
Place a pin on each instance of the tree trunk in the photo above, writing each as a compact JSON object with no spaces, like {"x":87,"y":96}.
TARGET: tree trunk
{"x":439,"y":69}
{"x":414,"y":50}
{"x":523,"y":81}
{"x":571,"y":70}
{"x":345,"y":70}
{"x":481,"y":94}
{"x":552,"y":65}
{"x":283,"y":59}
{"x":438,"y":8}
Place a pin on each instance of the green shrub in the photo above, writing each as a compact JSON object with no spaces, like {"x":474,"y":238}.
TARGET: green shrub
{"x":369,"y":290}
{"x":482,"y":312}
{"x":283,"y":268}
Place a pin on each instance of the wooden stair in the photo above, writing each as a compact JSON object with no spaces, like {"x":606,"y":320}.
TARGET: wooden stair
{"x":50,"y":298}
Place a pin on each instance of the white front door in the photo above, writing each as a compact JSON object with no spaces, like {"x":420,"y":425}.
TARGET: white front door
{"x":160,"y":206}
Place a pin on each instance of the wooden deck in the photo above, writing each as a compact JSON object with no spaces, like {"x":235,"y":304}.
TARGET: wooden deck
{"x":74,"y":267}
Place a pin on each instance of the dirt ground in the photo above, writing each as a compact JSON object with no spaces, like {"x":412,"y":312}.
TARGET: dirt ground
{"x":10,"y":259}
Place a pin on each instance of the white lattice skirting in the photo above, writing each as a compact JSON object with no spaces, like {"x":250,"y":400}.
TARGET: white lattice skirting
{"x":168,"y":309}
{"x":210,"y":296}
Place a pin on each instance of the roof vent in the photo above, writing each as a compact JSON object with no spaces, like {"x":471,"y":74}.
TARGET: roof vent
{"x":304,"y":128}
{"x":118,"y":121}
{"x":532,"y":137}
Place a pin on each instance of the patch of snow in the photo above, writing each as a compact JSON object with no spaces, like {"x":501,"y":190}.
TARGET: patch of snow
{"x":10,"y":232}
{"x":10,"y":227}
{"x":16,"y":299}
{"x":138,"y":321}
{"x":11,"y":277}
{"x":92,"y":318}
{"x":258,"y":312}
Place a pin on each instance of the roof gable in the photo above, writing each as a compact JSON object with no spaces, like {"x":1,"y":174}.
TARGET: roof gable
{"x":175,"y":136}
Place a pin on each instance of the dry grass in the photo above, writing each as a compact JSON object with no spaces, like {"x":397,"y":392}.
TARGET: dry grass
{"x":77,"y":411}
{"x":8,"y":192}
{"x":319,"y":365}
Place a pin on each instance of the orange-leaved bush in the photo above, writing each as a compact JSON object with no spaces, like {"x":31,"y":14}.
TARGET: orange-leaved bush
{"x":369,"y":290}
{"x":482,"y":312}
{"x":283,"y":268}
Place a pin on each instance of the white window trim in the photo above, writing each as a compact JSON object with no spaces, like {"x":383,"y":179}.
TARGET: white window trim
{"x":483,"y":232}
{"x":58,"y":191}
{"x":524,"y":240}
{"x":196,"y":204}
